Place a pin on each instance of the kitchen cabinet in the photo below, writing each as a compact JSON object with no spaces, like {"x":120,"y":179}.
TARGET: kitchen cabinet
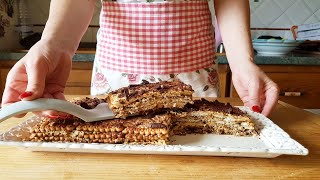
{"x":224,"y":80}
{"x":299,"y":85}
{"x":79,"y":81}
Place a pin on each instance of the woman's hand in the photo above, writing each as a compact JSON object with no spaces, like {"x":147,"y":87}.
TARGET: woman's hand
{"x":255,"y":88}
{"x":42,"y":72}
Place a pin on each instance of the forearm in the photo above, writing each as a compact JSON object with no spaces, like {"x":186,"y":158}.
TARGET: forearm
{"x":233,"y":18}
{"x":68,"y":21}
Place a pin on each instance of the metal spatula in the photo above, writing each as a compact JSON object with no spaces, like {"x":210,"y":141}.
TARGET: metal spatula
{"x":101,"y":112}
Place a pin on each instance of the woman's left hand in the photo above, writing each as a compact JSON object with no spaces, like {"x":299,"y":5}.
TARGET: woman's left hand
{"x":255,"y":88}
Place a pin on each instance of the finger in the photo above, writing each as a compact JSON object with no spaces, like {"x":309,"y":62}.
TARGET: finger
{"x":36,"y":81}
{"x":57,"y":95}
{"x":48,"y":112}
{"x":14,"y":85}
{"x":272,"y":95}
{"x":9,"y":96}
{"x":55,"y":114}
{"x":254,"y":92}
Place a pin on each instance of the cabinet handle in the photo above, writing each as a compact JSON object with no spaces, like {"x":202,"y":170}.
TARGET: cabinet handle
{"x":291,"y":93}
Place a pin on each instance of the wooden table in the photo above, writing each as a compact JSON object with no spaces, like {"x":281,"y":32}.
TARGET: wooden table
{"x":303,"y":126}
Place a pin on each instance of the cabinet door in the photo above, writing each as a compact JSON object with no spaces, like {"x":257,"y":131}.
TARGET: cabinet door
{"x":299,"y":89}
{"x":79,"y":82}
{"x":224,"y":79}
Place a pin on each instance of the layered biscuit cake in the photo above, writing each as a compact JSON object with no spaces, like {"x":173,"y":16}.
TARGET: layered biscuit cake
{"x":199,"y":116}
{"x":148,"y":98}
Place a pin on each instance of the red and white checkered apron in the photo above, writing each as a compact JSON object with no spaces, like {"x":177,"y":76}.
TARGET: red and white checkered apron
{"x":155,"y":38}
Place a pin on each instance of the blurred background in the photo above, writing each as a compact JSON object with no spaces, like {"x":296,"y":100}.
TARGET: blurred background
{"x":26,"y":18}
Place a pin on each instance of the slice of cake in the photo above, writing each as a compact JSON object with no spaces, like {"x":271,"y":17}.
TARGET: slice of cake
{"x":149,"y":98}
{"x":212,"y":117}
{"x":139,"y":130}
{"x":151,"y":129}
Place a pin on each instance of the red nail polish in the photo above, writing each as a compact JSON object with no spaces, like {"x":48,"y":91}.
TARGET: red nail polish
{"x":53,"y":117}
{"x":256,"y":109}
{"x":25,"y":94}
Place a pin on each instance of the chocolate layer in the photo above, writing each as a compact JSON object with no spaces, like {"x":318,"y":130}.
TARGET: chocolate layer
{"x":216,"y":106}
{"x":149,"y":98}
{"x":89,"y":103}
{"x":139,"y":89}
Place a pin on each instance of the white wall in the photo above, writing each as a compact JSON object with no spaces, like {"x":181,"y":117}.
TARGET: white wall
{"x":282,"y":14}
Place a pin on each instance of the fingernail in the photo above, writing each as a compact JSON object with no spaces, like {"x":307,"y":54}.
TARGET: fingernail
{"x":256,"y":109}
{"x":25,"y":94}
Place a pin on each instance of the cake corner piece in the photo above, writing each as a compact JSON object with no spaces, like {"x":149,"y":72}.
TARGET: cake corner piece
{"x":213,"y":117}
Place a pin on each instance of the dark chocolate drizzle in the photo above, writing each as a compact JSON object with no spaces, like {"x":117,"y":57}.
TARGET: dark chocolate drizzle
{"x":135,"y":90}
{"x":204,"y":104}
{"x":89,"y":103}
{"x":144,"y":82}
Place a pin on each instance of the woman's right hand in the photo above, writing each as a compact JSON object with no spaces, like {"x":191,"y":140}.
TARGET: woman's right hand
{"x":42,"y":72}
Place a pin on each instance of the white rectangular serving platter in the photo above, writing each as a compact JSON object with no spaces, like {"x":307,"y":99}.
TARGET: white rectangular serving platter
{"x":271,"y":142}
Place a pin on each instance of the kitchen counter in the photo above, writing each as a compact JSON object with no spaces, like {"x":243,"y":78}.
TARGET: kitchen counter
{"x":301,"y":125}
{"x":290,"y":59}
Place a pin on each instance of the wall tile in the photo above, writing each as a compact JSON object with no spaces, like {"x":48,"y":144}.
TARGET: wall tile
{"x":282,"y":22}
{"x":292,"y":12}
{"x":317,"y":14}
{"x":299,"y":12}
{"x":268,"y":17}
{"x":312,"y":19}
{"x":256,"y":22}
{"x":255,"y":5}
{"x":284,"y":4}
{"x":314,"y":5}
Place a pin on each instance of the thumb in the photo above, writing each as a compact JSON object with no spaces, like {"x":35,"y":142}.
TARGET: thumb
{"x":36,"y":83}
{"x":254,"y":96}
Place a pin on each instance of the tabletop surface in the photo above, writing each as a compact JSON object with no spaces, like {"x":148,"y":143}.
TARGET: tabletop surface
{"x":303,"y":126}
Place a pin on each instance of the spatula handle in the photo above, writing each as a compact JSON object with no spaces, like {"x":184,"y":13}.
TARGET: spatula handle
{"x":39,"y":105}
